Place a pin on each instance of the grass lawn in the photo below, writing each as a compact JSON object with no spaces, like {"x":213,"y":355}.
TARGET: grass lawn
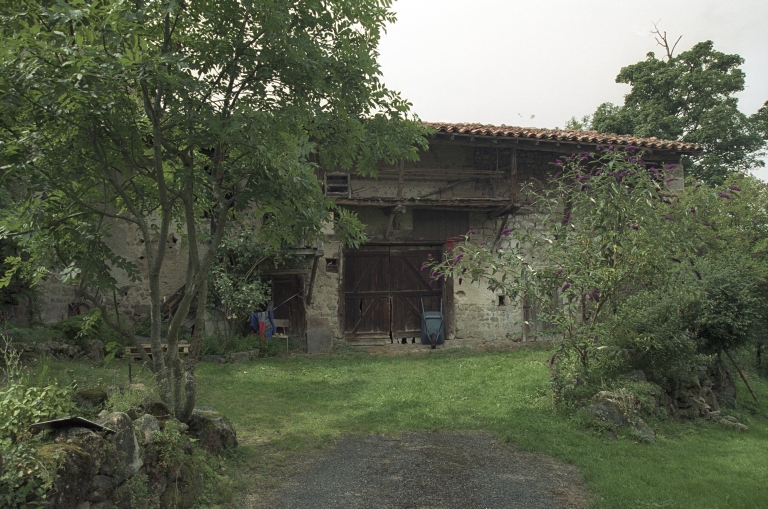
{"x":287,"y":408}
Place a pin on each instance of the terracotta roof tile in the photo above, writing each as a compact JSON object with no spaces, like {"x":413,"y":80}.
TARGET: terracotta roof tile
{"x":561,"y":135}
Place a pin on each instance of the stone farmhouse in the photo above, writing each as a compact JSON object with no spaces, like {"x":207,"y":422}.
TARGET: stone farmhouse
{"x":470,"y":178}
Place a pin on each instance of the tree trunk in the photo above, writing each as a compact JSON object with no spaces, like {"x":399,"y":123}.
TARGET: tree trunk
{"x":190,"y":386}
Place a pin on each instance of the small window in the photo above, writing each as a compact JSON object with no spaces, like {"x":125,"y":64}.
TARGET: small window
{"x":502,"y":302}
{"x":337,"y":184}
{"x":332,"y":265}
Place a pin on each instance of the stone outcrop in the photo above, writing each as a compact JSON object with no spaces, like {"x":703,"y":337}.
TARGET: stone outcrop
{"x":74,"y":472}
{"x":101,"y":470}
{"x":89,"y":399}
{"x":696,"y":395}
{"x":214,"y":431}
{"x":607,"y":410}
{"x":126,"y":446}
{"x":702,"y":394}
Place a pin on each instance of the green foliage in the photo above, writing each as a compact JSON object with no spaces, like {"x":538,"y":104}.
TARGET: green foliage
{"x":237,"y":288}
{"x":651,"y":331}
{"x":22,"y":406}
{"x":132,"y":397}
{"x":213,"y":345}
{"x":88,"y":327}
{"x":172,"y":118}
{"x":348,"y":228}
{"x":35,"y":334}
{"x":25,"y":480}
{"x":137,"y":493}
{"x":630,"y":273}
{"x":168,"y":447}
{"x":731,"y":311}
{"x":690,"y":97}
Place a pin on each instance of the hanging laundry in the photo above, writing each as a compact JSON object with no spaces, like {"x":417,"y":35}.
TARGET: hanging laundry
{"x":263,"y":324}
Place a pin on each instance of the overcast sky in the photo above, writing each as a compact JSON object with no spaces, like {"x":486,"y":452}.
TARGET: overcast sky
{"x":540,"y":62}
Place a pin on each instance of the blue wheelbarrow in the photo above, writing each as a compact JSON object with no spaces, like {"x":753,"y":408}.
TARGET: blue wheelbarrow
{"x":432,"y":326}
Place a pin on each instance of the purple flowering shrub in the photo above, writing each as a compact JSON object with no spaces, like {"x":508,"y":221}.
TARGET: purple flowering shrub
{"x":607,"y":245}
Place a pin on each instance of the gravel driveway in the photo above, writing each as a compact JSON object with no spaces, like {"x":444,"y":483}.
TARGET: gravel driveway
{"x":430,"y":471}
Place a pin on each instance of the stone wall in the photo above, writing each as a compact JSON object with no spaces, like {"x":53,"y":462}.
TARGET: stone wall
{"x":58,"y":300}
{"x":325,"y":293}
{"x":147,"y":460}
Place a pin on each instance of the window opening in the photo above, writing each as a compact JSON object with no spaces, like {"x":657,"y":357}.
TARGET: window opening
{"x":337,"y":185}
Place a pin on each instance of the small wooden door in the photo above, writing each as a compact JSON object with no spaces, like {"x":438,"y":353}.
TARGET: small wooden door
{"x":382,"y":291}
{"x":285,"y":288}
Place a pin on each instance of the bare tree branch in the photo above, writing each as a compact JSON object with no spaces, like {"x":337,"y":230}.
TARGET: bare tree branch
{"x":661,"y":40}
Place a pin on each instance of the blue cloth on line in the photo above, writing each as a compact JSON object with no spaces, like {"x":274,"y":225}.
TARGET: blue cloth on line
{"x":267,"y":317}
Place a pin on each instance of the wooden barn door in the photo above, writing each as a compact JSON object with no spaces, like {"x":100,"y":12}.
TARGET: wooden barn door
{"x":366,"y":292}
{"x":409,"y":285}
{"x":382,"y":288}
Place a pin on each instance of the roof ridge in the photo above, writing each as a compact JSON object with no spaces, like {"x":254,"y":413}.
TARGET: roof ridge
{"x":567,"y":135}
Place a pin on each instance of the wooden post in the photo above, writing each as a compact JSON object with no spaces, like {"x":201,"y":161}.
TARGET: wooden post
{"x":743,"y":377}
{"x":400,"y":185}
{"x":312,"y":280}
{"x":514,"y":184}
{"x":501,"y":229}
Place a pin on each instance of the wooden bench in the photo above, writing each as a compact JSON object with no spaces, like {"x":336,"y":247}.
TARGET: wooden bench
{"x":136,"y":355}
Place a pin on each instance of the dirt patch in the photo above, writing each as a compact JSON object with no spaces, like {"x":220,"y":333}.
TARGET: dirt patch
{"x":427,"y":470}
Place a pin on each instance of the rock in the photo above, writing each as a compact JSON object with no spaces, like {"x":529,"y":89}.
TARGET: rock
{"x":254,"y":353}
{"x":607,"y":411}
{"x":74,"y":470}
{"x":183,"y":428}
{"x":95,"y":445}
{"x":107,"y":504}
{"x":88,"y":399}
{"x":218,"y":359}
{"x":103,"y":414}
{"x":213,"y":431}
{"x":146,"y":426}
{"x":158,"y":409}
{"x":239,"y":357}
{"x":711,"y":398}
{"x":732,"y":422}
{"x":101,"y":489}
{"x":319,"y":340}
{"x":127,"y":452}
{"x":83,"y":505}
{"x":701,"y":406}
{"x":643,"y":431}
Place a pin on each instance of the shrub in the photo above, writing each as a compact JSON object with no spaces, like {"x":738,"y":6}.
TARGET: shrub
{"x":25,"y":480}
{"x":82,"y":329}
{"x":730,"y":313}
{"x":22,"y":406}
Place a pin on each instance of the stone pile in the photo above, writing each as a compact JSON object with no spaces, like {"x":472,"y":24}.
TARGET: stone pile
{"x":700,"y":395}
{"x":101,"y":470}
